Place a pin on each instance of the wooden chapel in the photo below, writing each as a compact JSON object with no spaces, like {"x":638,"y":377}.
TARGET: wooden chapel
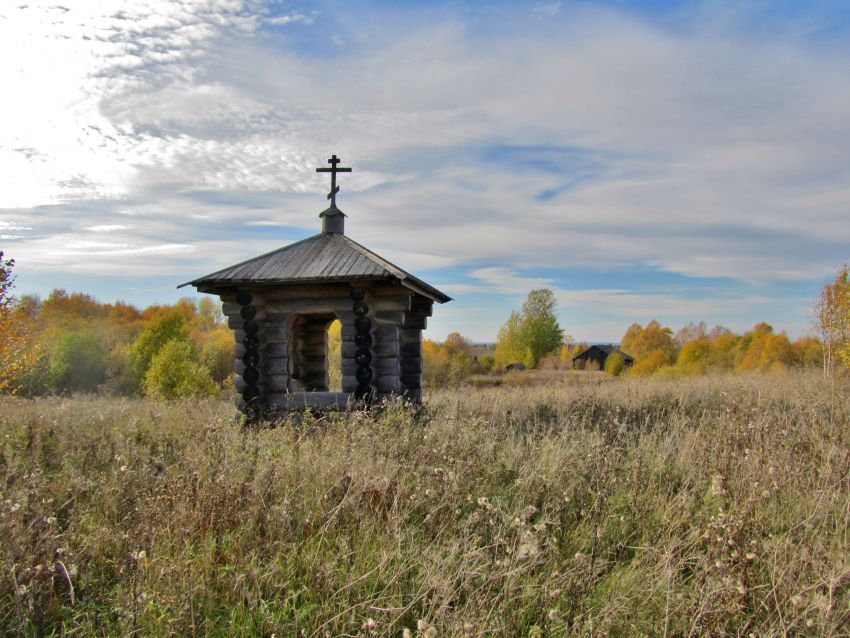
{"x":279,"y":306}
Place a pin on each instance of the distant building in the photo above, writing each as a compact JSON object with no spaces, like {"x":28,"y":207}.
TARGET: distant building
{"x":598,"y":354}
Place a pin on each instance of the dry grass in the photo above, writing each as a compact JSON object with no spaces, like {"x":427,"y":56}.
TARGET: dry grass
{"x":709,"y":506}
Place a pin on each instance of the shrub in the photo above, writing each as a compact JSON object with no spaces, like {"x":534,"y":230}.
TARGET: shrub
{"x":650,"y":364}
{"x":615,"y":363}
{"x":161,"y":330}
{"x":77,"y":362}
{"x":174,"y":373}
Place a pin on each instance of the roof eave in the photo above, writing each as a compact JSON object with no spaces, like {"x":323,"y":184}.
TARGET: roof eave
{"x":433,"y":294}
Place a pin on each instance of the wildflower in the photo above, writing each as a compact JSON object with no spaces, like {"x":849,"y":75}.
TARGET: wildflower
{"x":369,"y":625}
{"x":553,"y":614}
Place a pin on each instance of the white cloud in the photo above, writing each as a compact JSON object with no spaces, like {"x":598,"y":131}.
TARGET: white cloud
{"x":106,"y":228}
{"x":4,"y":225}
{"x":580,"y":137}
{"x":505,"y":280}
{"x":290,"y":18}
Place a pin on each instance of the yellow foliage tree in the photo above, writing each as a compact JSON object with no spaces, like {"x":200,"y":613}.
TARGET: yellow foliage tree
{"x":641,"y":343}
{"x":695,"y":356}
{"x":14,"y":354}
{"x":808,"y":352}
{"x":174,"y":373}
{"x":650,"y":364}
{"x":335,"y":356}
{"x":832,"y":314}
{"x":723,"y":348}
{"x":615,"y":363}
{"x":766,"y":351}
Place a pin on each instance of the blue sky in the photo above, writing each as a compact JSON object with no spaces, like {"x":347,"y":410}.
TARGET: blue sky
{"x":644,"y":160}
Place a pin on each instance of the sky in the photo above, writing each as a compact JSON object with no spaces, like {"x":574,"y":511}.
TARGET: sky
{"x":657,"y":159}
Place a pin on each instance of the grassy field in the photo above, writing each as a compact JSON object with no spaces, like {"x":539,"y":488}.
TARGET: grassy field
{"x":707,"y":506}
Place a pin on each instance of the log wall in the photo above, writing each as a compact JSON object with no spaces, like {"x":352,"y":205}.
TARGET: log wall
{"x":281,"y":344}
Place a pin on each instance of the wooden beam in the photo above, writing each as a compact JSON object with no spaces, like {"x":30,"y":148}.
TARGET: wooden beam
{"x":410,"y":335}
{"x":311,"y":400}
{"x":277,"y":365}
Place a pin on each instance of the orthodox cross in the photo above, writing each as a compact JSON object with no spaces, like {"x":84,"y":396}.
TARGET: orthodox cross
{"x":333,"y":170}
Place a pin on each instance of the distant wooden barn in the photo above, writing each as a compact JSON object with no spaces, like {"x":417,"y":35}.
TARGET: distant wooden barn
{"x":280,"y":305}
{"x":595,"y":357}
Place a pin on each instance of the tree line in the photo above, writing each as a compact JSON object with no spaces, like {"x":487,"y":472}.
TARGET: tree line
{"x":71,"y":342}
{"x":531,"y":336}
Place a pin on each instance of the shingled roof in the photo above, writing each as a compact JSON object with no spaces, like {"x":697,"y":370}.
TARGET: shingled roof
{"x":327,"y":257}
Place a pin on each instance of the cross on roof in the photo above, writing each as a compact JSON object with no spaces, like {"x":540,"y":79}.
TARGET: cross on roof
{"x":333,"y":170}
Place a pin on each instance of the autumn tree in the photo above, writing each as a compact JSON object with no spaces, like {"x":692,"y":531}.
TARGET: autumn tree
{"x":216,"y":352}
{"x":832,"y":317}
{"x":77,"y":362}
{"x":691,"y":332}
{"x":529,"y":335}
{"x":334,"y":355}
{"x":695,"y":356}
{"x":808,"y":352}
{"x":615,"y":363}
{"x":509,"y":345}
{"x":164,"y":327}
{"x":766,"y":351}
{"x":642,"y":342}
{"x":175,"y":373}
{"x":14,"y":355}
{"x":456,"y":342}
{"x":447,"y":362}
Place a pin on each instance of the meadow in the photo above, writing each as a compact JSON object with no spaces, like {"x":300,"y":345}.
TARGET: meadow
{"x":585,"y":506}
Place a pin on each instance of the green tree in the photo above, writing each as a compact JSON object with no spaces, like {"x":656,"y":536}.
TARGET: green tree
{"x":163,"y":328}
{"x":531,"y":334}
{"x":77,"y":363}
{"x":541,"y":333}
{"x":174,"y":373}
{"x":615,"y":363}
